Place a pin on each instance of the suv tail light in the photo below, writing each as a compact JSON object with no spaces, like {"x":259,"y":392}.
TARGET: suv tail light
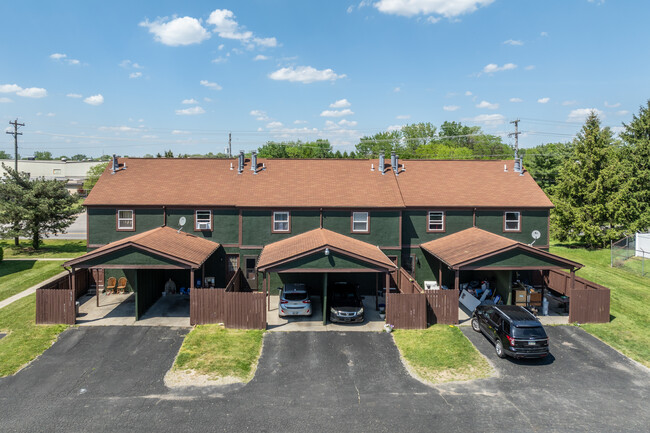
{"x":511,"y":340}
{"x":284,"y":302}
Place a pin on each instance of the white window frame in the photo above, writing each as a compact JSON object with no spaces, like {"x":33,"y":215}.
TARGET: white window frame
{"x":121,"y":219}
{"x":198,"y":221}
{"x":277,"y":223}
{"x":441,"y":222}
{"x":506,"y":221}
{"x":355,"y":222}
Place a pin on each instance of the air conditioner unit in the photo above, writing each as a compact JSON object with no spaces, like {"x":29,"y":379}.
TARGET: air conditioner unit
{"x":204,"y":226}
{"x":431,"y":285}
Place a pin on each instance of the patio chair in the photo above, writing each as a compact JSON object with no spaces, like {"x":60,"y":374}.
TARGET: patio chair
{"x":110,"y":285}
{"x":121,"y":284}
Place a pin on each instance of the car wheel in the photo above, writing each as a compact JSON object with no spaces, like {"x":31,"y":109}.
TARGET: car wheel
{"x":475,"y":325}
{"x":499,"y":349}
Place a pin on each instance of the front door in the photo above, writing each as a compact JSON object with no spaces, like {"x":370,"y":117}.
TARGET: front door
{"x":250,"y":271}
{"x":232,"y":264}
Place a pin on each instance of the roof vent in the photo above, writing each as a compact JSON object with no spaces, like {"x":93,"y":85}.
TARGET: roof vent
{"x":231,"y":167}
{"x":394,"y":162}
{"x":240,"y":167}
{"x":518,"y":168}
{"x":382,"y":163}
{"x":505,"y":168}
{"x":372,"y":167}
{"x":254,"y":162}
{"x":115,"y":165}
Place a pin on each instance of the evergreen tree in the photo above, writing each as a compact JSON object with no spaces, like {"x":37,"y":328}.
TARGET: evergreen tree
{"x":93,"y":175}
{"x":588,"y":194}
{"x":543,"y":162}
{"x":42,"y":206}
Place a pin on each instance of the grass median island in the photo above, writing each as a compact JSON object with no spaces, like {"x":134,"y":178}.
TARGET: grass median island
{"x":216,"y":353}
{"x":441,"y":353}
{"x":50,"y":249}
{"x":18,"y":275}
{"x":25,"y":340}
{"x":629,"y":328}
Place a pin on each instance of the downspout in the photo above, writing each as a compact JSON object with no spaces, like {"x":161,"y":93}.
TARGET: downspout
{"x":164,"y":215}
{"x":474,"y":218}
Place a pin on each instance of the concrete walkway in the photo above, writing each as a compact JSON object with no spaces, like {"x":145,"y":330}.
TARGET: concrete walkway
{"x":29,"y":291}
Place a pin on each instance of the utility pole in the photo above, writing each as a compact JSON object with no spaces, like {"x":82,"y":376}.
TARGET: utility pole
{"x":229,"y":145}
{"x":15,"y":133}
{"x":516,"y":134}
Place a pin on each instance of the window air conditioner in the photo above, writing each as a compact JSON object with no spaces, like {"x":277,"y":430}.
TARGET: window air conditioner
{"x":204,"y":226}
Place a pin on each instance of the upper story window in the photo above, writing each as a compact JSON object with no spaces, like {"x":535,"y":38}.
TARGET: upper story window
{"x":512,"y":221}
{"x":360,"y":222}
{"x":436,"y":221}
{"x":203,"y":220}
{"x":126,"y":220}
{"x":281,"y":222}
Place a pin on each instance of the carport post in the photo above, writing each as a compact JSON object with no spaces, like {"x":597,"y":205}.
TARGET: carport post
{"x":377,"y":291}
{"x":457,"y":280}
{"x":191,"y":280}
{"x":267,"y":294}
{"x":325,"y":298}
{"x":387,"y":282}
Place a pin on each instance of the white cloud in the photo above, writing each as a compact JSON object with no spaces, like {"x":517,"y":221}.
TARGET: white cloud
{"x":259,"y":115}
{"x":219,"y":59}
{"x":337,"y":113}
{"x":622,"y":112}
{"x":58,"y":56}
{"x":445,"y":8}
{"x":299,"y":122}
{"x":468,"y":93}
{"x":10,"y":88}
{"x":94,"y":100}
{"x":73,"y":62}
{"x":487,"y":119}
{"x":5,"y":100}
{"x":32,"y":92}
{"x":206,"y":99}
{"x":135,"y":75}
{"x":179,"y":31}
{"x":432,"y":20}
{"x":190,"y":111}
{"x":488,"y":105}
{"x":397,"y":89}
{"x":190,"y":101}
{"x":304,"y":74}
{"x":568,"y":103}
{"x":221,"y":47}
{"x":614,"y":105}
{"x":516,"y":100}
{"x":74,"y":95}
{"x":227,"y":27}
{"x":493,"y":67}
{"x":260,"y":57}
{"x":543,"y":34}
{"x":513,"y":42}
{"x":50,"y":114}
{"x":350,"y":123}
{"x":210,"y":85}
{"x":543,"y":100}
{"x":341,"y":103}
{"x":529,"y":67}
{"x":450,"y":107}
{"x":117,"y":128}
{"x":580,"y":114}
{"x":274,"y":125}
{"x":392,"y":128}
{"x":403,"y":116}
{"x":180,"y":132}
{"x":126,"y":64}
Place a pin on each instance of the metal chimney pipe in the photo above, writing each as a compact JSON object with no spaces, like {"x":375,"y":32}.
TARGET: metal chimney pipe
{"x":240,"y":167}
{"x":254,"y":162}
{"x":394,"y":162}
{"x":518,"y":165}
{"x":382,"y":163}
{"x":115,"y":164}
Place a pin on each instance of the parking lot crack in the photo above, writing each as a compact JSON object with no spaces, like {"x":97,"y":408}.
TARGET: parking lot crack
{"x":358,"y":393}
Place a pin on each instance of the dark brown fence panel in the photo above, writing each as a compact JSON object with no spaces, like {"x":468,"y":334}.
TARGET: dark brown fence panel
{"x":82,"y":282}
{"x":407,"y":284}
{"x":55,"y":303}
{"x":238,"y":283}
{"x":406,"y":310}
{"x":242,"y":310}
{"x":206,"y":306}
{"x":588,"y":302}
{"x":442,"y":307}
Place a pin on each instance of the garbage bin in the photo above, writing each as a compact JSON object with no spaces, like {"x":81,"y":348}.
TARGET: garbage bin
{"x":76,"y":309}
{"x":544,"y":306}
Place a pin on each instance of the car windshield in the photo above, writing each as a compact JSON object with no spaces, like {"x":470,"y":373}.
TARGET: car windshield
{"x":528,"y":332}
{"x":295,"y":296}
{"x":344,"y":295}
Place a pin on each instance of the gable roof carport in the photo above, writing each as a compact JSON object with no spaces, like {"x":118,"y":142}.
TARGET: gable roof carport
{"x":279,"y":256}
{"x":477,"y":249}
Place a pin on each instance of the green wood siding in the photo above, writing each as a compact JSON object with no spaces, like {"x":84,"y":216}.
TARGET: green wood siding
{"x":384,"y":226}
{"x":130,"y":256}
{"x":129,"y":274}
{"x":257,"y":225}
{"x":516,"y":258}
{"x":102,"y":228}
{"x":321,"y":261}
{"x":414,"y":225}
{"x":492,"y":221}
{"x":225,"y":224}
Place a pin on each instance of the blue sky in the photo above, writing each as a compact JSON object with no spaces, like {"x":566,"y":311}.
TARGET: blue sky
{"x":141,"y":77}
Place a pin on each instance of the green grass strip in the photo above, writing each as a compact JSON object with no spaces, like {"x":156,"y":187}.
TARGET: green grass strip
{"x":217,"y":352}
{"x":441,"y":353}
{"x":50,"y":249}
{"x":18,"y":275}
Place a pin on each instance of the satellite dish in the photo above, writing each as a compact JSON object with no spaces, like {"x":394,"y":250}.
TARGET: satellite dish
{"x":536,"y":234}
{"x":182,"y":222}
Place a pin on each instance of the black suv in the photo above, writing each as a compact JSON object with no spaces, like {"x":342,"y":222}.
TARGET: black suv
{"x":514,"y":330}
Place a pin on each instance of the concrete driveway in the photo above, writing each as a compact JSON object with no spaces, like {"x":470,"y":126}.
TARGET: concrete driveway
{"x":110,"y":379}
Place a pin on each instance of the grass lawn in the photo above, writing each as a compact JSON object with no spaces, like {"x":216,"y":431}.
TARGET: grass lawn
{"x":216,"y":352}
{"x":18,"y":275}
{"x":25,"y":340}
{"x":441,"y":353}
{"x":629,"y":328}
{"x":50,"y":248}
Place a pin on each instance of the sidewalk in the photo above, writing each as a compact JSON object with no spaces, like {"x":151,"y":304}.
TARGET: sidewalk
{"x":31,"y":290}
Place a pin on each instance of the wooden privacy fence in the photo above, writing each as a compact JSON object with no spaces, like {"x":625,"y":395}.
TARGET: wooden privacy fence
{"x":238,"y":283}
{"x":442,"y":306}
{"x":588,"y":301}
{"x":406,"y":310}
{"x":243,"y":310}
{"x":55,"y":301}
{"x":407,"y":284}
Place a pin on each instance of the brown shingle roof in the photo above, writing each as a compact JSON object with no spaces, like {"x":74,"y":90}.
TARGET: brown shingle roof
{"x":469,"y":245}
{"x":331,"y":183}
{"x":166,"y":241}
{"x":317,"y":240}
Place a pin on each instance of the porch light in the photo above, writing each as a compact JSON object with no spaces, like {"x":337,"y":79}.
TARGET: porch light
{"x":327,"y":251}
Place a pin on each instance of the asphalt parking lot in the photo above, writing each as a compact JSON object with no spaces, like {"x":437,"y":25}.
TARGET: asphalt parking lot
{"x":111,"y":379}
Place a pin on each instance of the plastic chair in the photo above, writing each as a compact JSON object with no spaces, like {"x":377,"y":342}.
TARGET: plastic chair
{"x":110,"y":285}
{"x":121,"y":284}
